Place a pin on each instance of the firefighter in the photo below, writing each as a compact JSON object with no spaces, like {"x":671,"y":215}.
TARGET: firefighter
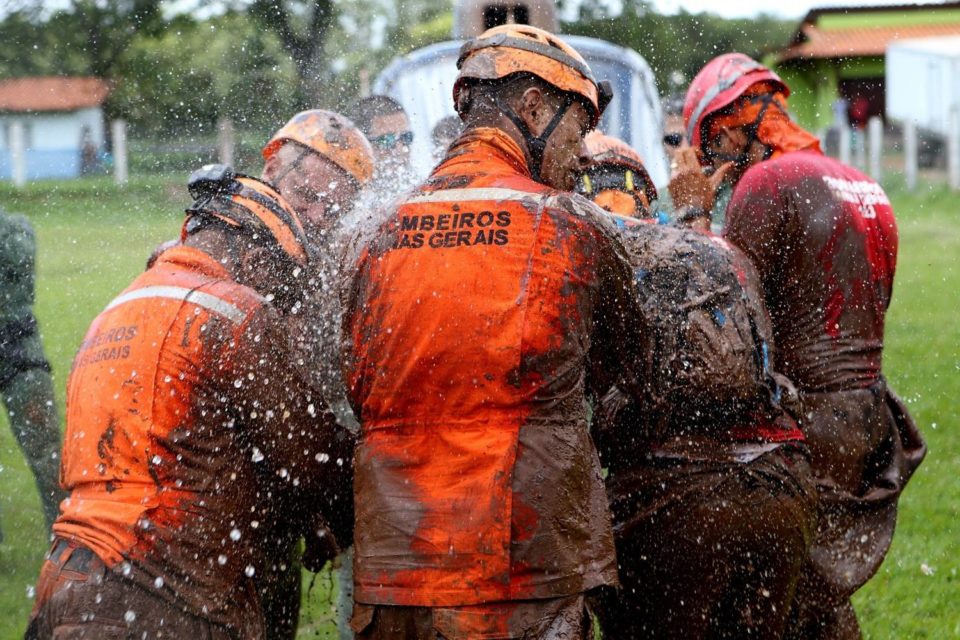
{"x":709,"y":482}
{"x":25,"y":382}
{"x":182,"y":390}
{"x":824,"y":241}
{"x":485,"y":305}
{"x":320,"y":162}
{"x":614,"y":177}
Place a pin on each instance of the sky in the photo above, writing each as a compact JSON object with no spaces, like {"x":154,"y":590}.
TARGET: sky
{"x":748,"y":8}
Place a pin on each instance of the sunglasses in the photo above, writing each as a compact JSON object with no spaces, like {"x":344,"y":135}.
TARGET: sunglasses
{"x":391,"y":140}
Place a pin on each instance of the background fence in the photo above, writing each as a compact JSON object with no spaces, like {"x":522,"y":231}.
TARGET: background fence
{"x":880,"y":149}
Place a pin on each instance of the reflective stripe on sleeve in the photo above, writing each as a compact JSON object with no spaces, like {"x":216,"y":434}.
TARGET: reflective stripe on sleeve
{"x":199,"y":298}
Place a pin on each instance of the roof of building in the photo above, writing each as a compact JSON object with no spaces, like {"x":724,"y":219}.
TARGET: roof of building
{"x":864,"y":41}
{"x":814,"y":14}
{"x":52,"y":93}
{"x":866,"y":30}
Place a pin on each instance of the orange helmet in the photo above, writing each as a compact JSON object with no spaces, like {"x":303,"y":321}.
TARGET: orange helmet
{"x":518,"y":48}
{"x":332,"y":136}
{"x":248,"y":203}
{"x":607,"y":150}
{"x":614,"y":176}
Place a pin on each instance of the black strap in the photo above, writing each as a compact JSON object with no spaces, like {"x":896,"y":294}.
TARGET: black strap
{"x":752,"y":130}
{"x":537,"y":145}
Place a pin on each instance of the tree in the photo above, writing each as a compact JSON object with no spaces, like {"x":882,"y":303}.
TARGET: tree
{"x":677,"y":46}
{"x":303,"y":27}
{"x":186,"y":78}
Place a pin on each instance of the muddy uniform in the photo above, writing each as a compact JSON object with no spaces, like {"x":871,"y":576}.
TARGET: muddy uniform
{"x":25,"y":383}
{"x":182,"y":387}
{"x":710,"y":486}
{"x":824,"y":240}
{"x":482,"y":311}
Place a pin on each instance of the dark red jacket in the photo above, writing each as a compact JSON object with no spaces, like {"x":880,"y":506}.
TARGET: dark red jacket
{"x":824,"y":240}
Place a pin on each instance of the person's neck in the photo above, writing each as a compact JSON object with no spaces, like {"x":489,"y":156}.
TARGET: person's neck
{"x":217,"y":246}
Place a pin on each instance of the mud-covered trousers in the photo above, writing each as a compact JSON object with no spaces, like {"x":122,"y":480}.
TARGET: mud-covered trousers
{"x":78,"y":597}
{"x":26,"y":390}
{"x":709,"y":548}
{"x":566,"y":618}
{"x":864,"y":448}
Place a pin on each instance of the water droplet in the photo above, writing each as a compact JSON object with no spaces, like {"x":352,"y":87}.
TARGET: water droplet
{"x":322,"y":457}
{"x":158,"y":582}
{"x":249,"y":571}
{"x":235,"y":534}
{"x":257,"y":455}
{"x":31,"y":591}
{"x":221,"y":559}
{"x":130,"y":616}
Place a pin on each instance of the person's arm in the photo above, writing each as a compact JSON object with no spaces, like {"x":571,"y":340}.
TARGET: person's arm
{"x":620,"y":344}
{"x":289,"y":426}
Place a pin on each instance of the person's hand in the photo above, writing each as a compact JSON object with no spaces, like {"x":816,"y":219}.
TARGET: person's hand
{"x":690,"y":187}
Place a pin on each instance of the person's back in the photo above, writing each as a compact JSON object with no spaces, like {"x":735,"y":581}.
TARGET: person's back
{"x":474,"y":314}
{"x":705,"y":468}
{"x":168,"y":483}
{"x":823,"y":238}
{"x":182,"y":390}
{"x":483,"y":308}
{"x":826,"y":260}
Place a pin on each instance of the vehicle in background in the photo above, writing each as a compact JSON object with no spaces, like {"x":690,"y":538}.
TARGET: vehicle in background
{"x":923,"y":85}
{"x":422,"y":81}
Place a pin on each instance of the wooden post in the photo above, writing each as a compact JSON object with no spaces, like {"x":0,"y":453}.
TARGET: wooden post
{"x":953,"y":149}
{"x":860,"y":150}
{"x":875,"y":133}
{"x":18,"y":153}
{"x":844,"y":142}
{"x":119,"y":131}
{"x":364,"y":82}
{"x":910,"y":153}
{"x":225,"y":141}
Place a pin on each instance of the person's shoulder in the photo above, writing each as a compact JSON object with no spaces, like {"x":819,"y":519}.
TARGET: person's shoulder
{"x":15,"y":228}
{"x":793,"y":167}
{"x":581,"y":209}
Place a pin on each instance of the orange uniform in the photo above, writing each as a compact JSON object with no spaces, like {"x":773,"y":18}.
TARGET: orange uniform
{"x":180,"y":391}
{"x":484,"y":308}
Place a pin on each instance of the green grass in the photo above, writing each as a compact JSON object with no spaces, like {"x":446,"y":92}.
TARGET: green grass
{"x":94,"y":238}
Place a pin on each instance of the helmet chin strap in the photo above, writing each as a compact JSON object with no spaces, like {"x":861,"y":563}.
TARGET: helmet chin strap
{"x":537,"y":145}
{"x":742,"y":159}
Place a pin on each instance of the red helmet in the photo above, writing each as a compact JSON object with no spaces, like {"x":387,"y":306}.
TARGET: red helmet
{"x":718,"y":85}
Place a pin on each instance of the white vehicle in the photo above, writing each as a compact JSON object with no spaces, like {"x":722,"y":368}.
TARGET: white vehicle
{"x":422,"y":81}
{"x":923,"y":81}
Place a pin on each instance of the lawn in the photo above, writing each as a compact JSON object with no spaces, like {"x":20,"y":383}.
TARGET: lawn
{"x":94,"y":238}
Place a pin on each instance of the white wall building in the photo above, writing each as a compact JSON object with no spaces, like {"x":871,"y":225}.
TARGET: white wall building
{"x":60,"y":118}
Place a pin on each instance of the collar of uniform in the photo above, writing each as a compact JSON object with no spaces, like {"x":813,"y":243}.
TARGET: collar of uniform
{"x":494,"y":142}
{"x":194,"y":260}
